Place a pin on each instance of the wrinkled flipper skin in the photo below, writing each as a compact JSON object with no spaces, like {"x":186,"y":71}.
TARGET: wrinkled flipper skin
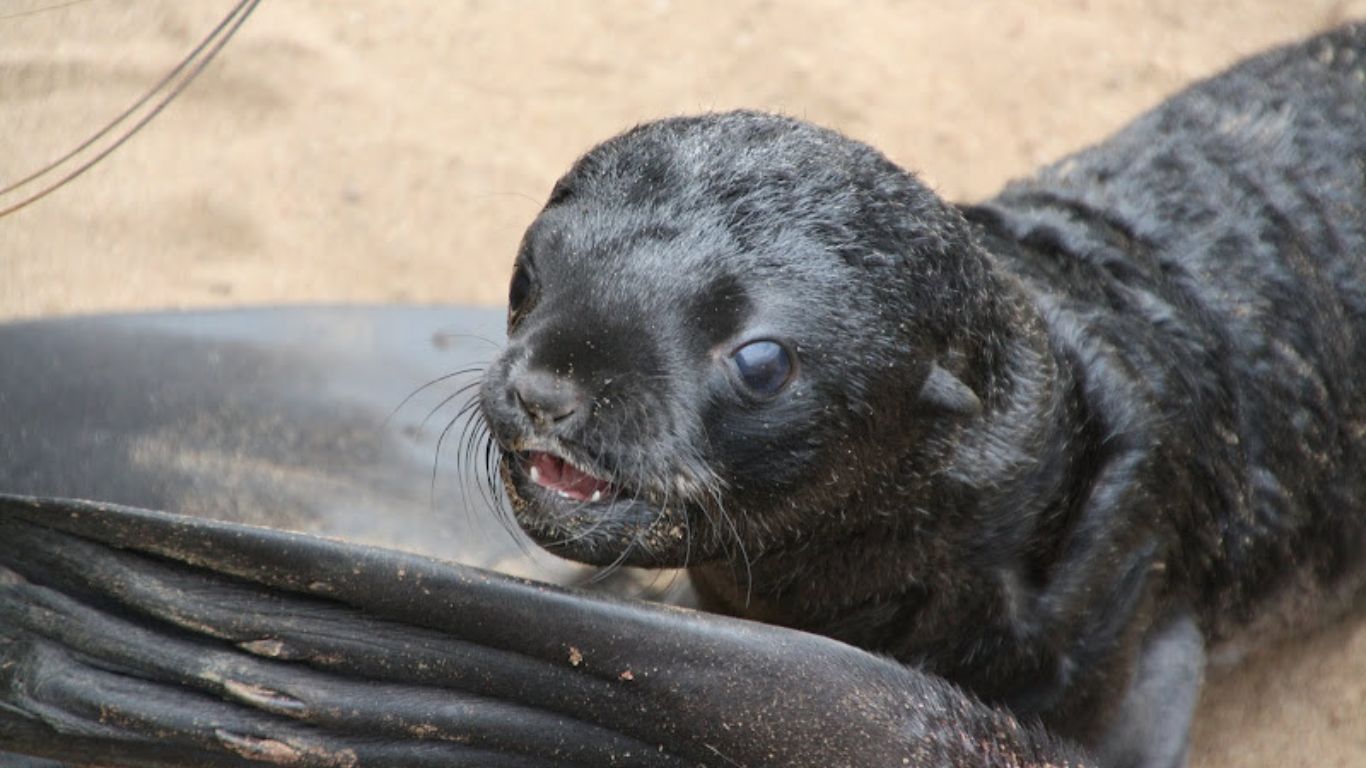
{"x":136,"y":638}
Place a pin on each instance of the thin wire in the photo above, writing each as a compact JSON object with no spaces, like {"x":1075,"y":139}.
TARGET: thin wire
{"x":44,"y":9}
{"x":173,"y":83}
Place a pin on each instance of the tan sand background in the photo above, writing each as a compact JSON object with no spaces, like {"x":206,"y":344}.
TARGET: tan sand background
{"x":376,"y":151}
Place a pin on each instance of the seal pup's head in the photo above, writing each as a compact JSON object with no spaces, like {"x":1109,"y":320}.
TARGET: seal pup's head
{"x":722,"y":330}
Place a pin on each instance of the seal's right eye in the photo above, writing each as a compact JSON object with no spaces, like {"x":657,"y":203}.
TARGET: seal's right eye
{"x":519,"y":293}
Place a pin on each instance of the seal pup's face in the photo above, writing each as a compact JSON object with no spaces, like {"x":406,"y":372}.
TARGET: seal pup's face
{"x":719,"y":329}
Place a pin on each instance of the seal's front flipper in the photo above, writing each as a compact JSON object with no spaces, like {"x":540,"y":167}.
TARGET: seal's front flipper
{"x":155,"y":640}
{"x":1152,"y":729}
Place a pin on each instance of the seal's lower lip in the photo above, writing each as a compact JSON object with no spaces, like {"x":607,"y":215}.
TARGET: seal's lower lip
{"x":568,"y":481}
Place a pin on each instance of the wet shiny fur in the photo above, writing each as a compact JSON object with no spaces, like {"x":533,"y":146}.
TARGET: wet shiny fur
{"x":1050,"y":446}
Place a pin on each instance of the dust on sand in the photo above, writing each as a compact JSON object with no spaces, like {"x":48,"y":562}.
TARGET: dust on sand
{"x":374,"y":151}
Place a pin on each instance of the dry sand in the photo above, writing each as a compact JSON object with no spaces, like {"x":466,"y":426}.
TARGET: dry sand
{"x":376,"y":151}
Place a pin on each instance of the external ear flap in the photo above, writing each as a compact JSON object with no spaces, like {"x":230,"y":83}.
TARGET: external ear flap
{"x":945,"y":392}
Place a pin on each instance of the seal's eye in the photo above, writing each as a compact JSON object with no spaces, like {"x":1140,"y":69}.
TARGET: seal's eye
{"x":764,"y":366}
{"x":519,"y":292}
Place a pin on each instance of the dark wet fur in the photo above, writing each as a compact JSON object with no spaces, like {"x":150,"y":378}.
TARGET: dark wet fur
{"x":1166,"y":333}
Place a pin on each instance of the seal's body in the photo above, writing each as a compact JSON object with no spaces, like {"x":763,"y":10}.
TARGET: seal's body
{"x":1204,"y":274}
{"x":1048,"y":446}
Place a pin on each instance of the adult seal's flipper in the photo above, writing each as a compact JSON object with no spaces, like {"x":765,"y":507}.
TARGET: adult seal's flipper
{"x":284,"y":417}
{"x":131,"y":637}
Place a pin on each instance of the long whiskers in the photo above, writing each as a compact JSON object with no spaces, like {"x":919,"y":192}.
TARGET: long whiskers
{"x":467,"y":424}
{"x":616,"y":565}
{"x":471,"y":431}
{"x":494,"y":494}
{"x":436,"y":460}
{"x":443,"y":338}
{"x":714,"y":491}
{"x":478,"y":368}
{"x":612,"y":568}
{"x":463,"y":412}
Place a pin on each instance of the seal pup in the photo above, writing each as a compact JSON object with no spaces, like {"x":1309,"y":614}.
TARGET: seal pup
{"x":1051,"y":446}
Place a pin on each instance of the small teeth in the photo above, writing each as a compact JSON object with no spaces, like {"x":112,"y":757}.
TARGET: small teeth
{"x":534,"y":473}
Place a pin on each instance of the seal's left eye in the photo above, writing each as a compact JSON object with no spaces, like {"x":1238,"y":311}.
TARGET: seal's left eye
{"x":764,"y":366}
{"x":520,"y":290}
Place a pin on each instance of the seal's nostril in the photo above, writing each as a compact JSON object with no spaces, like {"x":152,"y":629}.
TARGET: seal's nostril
{"x":545,"y":397}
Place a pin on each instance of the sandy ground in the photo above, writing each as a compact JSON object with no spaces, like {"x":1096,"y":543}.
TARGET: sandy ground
{"x":374,"y":151}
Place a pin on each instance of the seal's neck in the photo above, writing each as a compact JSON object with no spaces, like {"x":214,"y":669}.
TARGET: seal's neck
{"x":1012,"y":466}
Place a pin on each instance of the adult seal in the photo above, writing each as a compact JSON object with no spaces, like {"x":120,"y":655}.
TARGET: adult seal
{"x":1051,"y":446}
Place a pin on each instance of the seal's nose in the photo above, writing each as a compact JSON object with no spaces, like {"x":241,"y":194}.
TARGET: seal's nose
{"x":548,"y":399}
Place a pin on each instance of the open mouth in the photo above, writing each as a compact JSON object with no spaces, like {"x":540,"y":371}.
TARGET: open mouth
{"x":566,"y":480}
{"x":578,"y":515}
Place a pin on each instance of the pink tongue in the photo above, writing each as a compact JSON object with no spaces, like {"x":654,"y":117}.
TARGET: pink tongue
{"x":559,"y":475}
